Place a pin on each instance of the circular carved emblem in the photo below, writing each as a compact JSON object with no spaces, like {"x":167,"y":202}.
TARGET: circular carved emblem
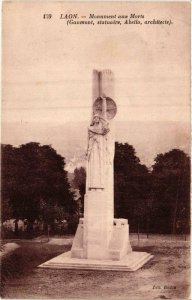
{"x":111,"y":107}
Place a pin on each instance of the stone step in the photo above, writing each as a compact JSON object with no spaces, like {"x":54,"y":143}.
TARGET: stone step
{"x":139,"y":264}
{"x":95,"y":267}
{"x":131,"y":262}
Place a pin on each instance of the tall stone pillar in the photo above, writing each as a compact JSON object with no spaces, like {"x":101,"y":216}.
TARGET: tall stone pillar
{"x":98,"y":206}
{"x":99,"y":236}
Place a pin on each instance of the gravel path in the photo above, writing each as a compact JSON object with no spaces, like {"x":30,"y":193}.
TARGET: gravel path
{"x":166,"y":276}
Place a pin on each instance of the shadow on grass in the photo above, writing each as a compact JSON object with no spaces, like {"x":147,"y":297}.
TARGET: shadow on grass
{"x":144,"y":248}
{"x":24,"y":259}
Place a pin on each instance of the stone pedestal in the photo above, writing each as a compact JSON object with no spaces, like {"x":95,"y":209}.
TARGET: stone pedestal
{"x":93,"y":244}
{"x":98,"y":225}
{"x":100,"y":236}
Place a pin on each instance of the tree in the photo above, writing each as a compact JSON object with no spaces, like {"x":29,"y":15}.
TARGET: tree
{"x":32,"y":175}
{"x":8,"y":180}
{"x":131,"y":186}
{"x":171,"y":187}
{"x":79,"y":182}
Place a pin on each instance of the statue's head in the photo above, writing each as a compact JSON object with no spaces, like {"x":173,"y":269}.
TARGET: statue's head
{"x":96,"y":119}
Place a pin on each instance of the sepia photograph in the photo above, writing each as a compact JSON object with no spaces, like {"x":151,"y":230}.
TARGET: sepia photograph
{"x":95,"y":150}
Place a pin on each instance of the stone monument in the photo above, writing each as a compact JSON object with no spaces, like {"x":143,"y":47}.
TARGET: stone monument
{"x":101,"y":242}
{"x":99,"y":235}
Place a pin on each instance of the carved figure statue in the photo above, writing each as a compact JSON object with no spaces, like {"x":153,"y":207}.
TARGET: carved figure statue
{"x":98,"y":152}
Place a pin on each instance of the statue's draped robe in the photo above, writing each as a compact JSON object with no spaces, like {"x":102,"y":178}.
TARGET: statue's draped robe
{"x":98,"y":156}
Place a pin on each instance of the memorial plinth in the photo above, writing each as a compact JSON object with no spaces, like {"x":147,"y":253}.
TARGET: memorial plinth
{"x":101,"y":242}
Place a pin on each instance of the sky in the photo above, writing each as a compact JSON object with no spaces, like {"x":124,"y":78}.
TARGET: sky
{"x":47,"y":69}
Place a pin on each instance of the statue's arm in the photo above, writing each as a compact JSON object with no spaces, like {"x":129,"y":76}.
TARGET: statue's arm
{"x":102,"y":131}
{"x":95,"y":131}
{"x":104,"y":120}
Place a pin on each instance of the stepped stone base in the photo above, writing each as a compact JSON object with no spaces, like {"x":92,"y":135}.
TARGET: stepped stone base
{"x":93,"y":246}
{"x":131,"y":262}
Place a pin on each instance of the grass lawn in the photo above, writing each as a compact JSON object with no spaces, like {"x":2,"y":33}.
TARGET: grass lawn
{"x":166,"y":276}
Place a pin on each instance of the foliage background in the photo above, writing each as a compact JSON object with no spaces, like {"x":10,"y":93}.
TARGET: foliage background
{"x":35,"y":185}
